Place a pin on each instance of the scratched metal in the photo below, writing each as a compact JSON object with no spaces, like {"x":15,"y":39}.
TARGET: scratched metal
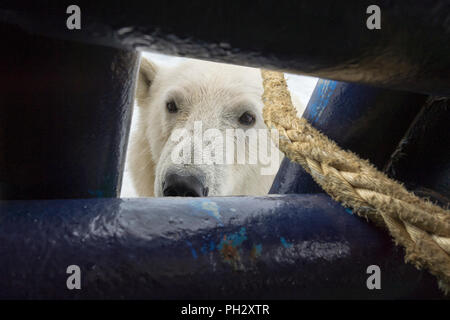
{"x":292,"y":246}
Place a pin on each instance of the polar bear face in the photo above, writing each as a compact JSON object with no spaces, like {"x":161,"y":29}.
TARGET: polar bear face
{"x":195,"y":117}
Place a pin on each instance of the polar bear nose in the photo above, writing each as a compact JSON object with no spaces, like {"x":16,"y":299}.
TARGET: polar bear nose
{"x":183,"y":186}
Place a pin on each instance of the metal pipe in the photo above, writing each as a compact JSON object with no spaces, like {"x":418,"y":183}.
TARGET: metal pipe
{"x":295,"y":246}
{"x":368,"y":121}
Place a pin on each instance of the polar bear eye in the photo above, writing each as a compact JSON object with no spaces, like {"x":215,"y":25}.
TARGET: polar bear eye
{"x":171,"y":107}
{"x":247,"y":119}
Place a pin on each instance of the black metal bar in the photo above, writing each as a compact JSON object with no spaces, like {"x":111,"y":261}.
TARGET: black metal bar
{"x":422,"y":159}
{"x":65,"y":115}
{"x":323,"y":38}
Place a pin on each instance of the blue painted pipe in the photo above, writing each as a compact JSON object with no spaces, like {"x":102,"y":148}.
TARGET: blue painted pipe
{"x":292,"y":246}
{"x":368,"y":121}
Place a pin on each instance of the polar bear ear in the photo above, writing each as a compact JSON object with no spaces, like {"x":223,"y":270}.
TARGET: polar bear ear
{"x":147,"y":72}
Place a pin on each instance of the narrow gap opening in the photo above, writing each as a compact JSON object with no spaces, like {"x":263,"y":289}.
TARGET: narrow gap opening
{"x":197,"y":129}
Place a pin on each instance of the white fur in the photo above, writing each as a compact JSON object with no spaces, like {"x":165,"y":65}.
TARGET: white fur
{"x":216,"y":94}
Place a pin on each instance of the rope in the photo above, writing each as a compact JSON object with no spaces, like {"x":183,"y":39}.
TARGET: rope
{"x":420,"y":226}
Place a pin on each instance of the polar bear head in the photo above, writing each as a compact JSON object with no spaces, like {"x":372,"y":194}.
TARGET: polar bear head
{"x":194,"y":119}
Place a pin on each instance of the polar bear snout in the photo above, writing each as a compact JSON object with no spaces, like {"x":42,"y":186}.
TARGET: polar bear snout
{"x":175,"y":185}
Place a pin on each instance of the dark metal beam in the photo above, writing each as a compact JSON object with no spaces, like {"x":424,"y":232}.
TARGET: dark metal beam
{"x":323,"y":38}
{"x":65,"y":115}
{"x":422,"y":158}
{"x":302,"y":246}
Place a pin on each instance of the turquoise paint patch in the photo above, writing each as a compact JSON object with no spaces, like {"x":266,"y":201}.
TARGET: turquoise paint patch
{"x":258,"y":248}
{"x":349,"y":211}
{"x":285,"y":243}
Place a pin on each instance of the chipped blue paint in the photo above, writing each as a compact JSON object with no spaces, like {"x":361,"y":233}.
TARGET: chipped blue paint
{"x":325,"y":90}
{"x":208,"y":247}
{"x":194,"y":253}
{"x":212,"y":246}
{"x":348,"y":210}
{"x":235,"y":239}
{"x":258,"y":248}
{"x":210,"y":207}
{"x":285,"y":243}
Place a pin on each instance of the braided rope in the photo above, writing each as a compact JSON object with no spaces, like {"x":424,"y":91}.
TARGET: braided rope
{"x":420,"y":226}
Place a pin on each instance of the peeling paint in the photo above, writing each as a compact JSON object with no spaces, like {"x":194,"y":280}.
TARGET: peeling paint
{"x":235,"y":239}
{"x":229,"y":253}
{"x":256,"y":251}
{"x":285,"y":243}
{"x":208,"y":247}
{"x":211,"y":209}
{"x":193,"y":252}
{"x":230,"y":248}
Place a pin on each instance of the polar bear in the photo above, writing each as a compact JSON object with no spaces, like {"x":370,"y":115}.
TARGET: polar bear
{"x":176,"y":103}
